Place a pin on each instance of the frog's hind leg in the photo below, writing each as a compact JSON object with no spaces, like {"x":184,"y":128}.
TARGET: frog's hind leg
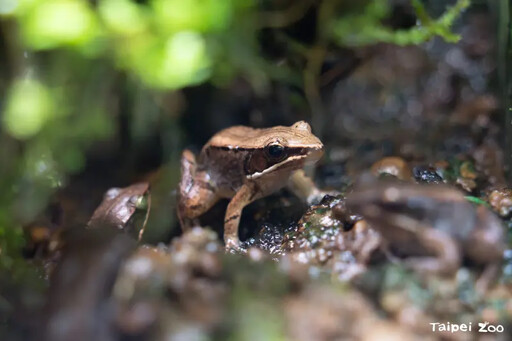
{"x":196,"y":195}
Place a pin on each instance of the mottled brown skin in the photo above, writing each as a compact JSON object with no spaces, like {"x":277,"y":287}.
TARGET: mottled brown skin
{"x":433,"y":226}
{"x":244,"y":164}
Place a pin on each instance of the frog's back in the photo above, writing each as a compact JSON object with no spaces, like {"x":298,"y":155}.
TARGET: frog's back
{"x":239,"y":137}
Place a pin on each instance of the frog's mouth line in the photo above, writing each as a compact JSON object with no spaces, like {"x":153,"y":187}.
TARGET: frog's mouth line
{"x":282,"y":165}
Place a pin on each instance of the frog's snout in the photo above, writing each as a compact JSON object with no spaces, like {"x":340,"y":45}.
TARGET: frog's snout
{"x":315,"y":154}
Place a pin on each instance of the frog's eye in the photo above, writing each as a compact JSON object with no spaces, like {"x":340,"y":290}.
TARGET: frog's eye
{"x":275,"y":151}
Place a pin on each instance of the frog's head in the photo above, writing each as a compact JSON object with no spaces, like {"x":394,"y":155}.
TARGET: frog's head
{"x":284,"y":149}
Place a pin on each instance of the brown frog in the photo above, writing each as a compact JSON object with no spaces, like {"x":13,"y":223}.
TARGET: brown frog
{"x":244,"y":164}
{"x":124,"y":208}
{"x":432,"y":226}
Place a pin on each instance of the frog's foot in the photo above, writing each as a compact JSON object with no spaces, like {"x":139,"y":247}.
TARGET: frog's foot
{"x":232,"y":245}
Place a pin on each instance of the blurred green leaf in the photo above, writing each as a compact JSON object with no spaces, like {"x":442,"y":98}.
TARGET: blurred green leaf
{"x":29,"y":106}
{"x":123,"y":17}
{"x":192,"y":15}
{"x":176,"y":62}
{"x":53,"y":23}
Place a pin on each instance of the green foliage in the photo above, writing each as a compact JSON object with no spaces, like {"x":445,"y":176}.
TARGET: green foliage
{"x":476,"y":200}
{"x":53,"y":23}
{"x":163,"y":42}
{"x":28,"y":108}
{"x":366,"y":26}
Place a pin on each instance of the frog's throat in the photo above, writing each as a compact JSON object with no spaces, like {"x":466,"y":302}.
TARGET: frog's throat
{"x":288,"y":162}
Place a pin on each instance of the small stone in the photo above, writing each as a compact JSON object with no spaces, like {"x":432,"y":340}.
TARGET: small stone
{"x":426,"y":174}
{"x":501,"y":201}
{"x":392,"y":165}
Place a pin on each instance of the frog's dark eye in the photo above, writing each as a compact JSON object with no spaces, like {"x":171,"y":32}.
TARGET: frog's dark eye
{"x":275,"y":151}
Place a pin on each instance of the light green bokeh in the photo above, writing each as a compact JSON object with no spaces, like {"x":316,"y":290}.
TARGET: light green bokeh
{"x":195,"y":15}
{"x":8,"y":7}
{"x":28,"y":107}
{"x":53,"y":23}
{"x":178,"y":61}
{"x":123,"y":17}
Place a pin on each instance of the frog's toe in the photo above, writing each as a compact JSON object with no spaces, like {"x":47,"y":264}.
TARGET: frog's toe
{"x":232,"y":245}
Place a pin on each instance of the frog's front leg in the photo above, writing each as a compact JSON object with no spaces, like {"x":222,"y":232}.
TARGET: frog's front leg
{"x":245,"y":195}
{"x":447,"y":257}
{"x":304,"y":187}
{"x":196,"y":195}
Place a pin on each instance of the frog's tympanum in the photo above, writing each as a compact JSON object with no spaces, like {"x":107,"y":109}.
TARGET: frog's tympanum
{"x":431,"y":226}
{"x":244,"y":164}
{"x":124,"y":208}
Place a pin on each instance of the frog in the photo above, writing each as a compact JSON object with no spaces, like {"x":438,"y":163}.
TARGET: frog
{"x":125,"y":208}
{"x":429,"y":228}
{"x":244,"y":164}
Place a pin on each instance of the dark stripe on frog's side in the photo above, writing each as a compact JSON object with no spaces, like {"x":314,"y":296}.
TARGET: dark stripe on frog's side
{"x":228,"y":167}
{"x":258,"y":160}
{"x":251,"y":151}
{"x":231,"y":218}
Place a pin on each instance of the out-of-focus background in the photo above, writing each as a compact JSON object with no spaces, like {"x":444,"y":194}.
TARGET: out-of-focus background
{"x":105,"y":93}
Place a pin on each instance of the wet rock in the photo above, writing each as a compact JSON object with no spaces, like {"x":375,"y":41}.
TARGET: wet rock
{"x":190,"y":268}
{"x":316,"y":231}
{"x":330,"y":237}
{"x":426,"y":174}
{"x":356,"y":247}
{"x":269,"y":239}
